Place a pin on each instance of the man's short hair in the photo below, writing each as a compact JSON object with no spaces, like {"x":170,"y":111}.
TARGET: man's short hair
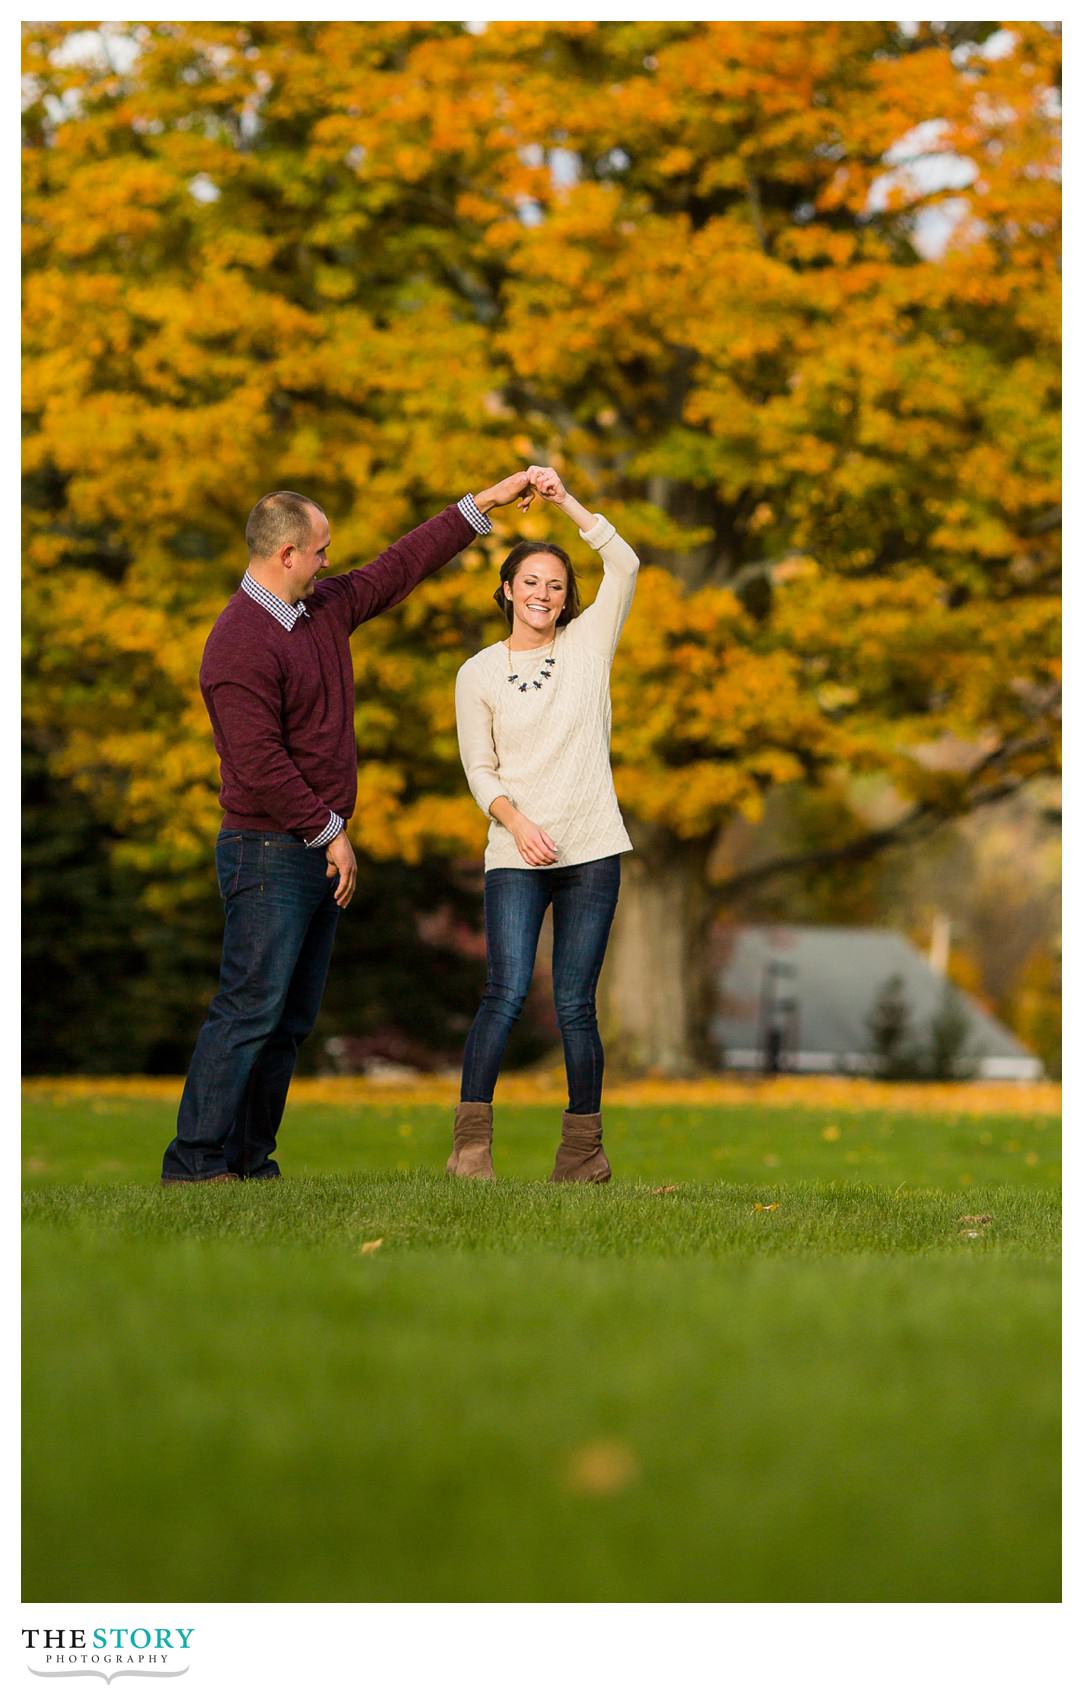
{"x":277,"y":520}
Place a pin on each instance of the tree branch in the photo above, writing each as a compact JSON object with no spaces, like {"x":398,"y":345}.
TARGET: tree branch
{"x":922,"y":819}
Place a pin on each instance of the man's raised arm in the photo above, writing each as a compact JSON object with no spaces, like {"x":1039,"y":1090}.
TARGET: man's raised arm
{"x":400,"y":568}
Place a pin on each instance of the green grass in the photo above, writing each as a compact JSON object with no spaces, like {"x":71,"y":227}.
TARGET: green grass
{"x":107,"y":1141}
{"x":533,"y":1393}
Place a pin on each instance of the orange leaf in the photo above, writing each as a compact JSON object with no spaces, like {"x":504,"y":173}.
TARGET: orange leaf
{"x":601,"y":1468}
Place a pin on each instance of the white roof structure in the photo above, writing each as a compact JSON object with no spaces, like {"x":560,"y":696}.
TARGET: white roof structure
{"x":798,"y":1000}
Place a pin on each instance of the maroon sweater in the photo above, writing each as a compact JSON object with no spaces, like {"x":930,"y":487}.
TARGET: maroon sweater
{"x":282,"y":702}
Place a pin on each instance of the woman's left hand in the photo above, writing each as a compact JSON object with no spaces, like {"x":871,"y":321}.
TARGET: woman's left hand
{"x":547,"y":483}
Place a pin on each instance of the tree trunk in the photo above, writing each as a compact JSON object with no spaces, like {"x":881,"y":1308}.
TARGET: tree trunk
{"x":657,"y":990}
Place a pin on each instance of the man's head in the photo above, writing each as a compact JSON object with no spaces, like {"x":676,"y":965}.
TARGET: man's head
{"x":288,"y":538}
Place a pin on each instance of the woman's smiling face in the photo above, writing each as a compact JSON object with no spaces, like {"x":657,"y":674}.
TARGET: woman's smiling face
{"x":537,"y":594}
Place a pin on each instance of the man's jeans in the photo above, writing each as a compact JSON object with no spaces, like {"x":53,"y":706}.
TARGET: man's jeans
{"x":280,"y":927}
{"x":584,"y":899}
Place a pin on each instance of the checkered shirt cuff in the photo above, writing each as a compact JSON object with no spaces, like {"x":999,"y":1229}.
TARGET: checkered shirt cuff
{"x":331,"y":830}
{"x":470,"y":511}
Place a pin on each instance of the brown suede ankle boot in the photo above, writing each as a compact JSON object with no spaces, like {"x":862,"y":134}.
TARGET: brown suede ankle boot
{"x":472,"y":1151}
{"x":580,"y":1156}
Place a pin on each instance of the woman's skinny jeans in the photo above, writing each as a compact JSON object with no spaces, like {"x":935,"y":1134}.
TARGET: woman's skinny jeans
{"x":584,"y":898}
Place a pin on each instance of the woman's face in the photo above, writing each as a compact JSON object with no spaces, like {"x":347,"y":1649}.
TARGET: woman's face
{"x":537,"y":592}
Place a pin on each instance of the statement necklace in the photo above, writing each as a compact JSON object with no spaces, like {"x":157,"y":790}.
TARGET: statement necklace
{"x":544,"y":671}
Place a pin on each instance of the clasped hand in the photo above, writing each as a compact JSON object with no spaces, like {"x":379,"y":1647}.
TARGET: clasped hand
{"x":522,"y":487}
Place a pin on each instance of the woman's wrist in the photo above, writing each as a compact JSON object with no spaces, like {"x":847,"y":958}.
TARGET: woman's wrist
{"x":576,"y":512}
{"x":503,"y":810}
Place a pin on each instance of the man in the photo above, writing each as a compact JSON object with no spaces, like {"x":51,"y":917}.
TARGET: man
{"x":277,"y":679}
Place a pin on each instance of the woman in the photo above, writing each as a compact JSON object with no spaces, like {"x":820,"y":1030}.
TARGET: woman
{"x":533,"y":716}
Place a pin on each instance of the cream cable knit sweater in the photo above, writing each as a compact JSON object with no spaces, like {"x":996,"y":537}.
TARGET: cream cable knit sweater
{"x":548,"y":750}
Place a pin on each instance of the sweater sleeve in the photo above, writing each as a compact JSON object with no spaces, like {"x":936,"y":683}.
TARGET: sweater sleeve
{"x":389,"y":579}
{"x":250,"y":732}
{"x":474,"y":721}
{"x":599,"y":626}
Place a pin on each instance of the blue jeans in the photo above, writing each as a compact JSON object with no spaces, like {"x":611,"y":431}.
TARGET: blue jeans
{"x":584,"y":899}
{"x":281,"y":918}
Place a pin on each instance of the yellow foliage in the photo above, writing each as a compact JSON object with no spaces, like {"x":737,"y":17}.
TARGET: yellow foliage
{"x":817,"y":1092}
{"x":679,"y":260}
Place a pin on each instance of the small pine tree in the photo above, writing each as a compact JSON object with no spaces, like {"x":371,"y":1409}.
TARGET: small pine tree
{"x":890,"y":1034}
{"x":949,"y":1031}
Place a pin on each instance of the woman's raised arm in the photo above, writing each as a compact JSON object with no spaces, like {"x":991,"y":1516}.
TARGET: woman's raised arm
{"x":599,"y":626}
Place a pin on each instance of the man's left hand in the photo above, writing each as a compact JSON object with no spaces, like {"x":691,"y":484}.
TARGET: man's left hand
{"x":342,"y":862}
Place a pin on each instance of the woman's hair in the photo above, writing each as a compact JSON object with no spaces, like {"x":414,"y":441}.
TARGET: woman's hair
{"x":521,"y":553}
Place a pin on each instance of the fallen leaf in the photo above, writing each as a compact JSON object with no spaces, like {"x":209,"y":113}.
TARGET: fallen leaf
{"x":371,"y":1245}
{"x":601,"y":1469}
{"x":766,"y":1206}
{"x":975,"y":1219}
{"x":665,"y":1189}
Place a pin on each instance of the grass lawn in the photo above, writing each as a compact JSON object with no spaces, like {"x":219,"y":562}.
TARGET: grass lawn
{"x":368,"y":1382}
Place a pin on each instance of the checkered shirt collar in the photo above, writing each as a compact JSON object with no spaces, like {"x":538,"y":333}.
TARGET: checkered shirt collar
{"x":285,"y":613}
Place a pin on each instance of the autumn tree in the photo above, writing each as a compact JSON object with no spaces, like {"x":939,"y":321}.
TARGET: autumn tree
{"x":781,"y":298}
